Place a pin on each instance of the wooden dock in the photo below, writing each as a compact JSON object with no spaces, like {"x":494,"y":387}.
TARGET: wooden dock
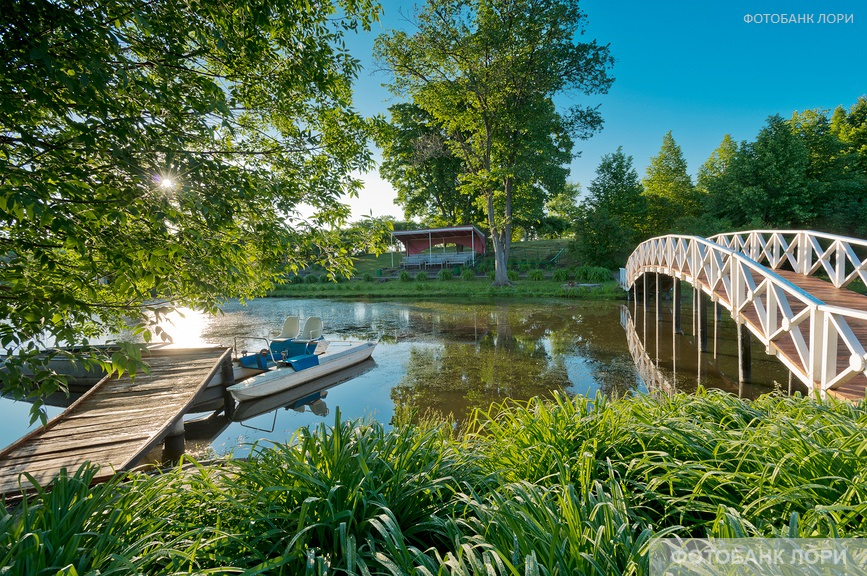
{"x":117,"y":422}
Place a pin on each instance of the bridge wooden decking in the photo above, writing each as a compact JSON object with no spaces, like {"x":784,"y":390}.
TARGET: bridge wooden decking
{"x":117,"y":422}
{"x":856,"y":388}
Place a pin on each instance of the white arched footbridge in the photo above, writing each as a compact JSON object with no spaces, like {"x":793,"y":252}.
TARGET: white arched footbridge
{"x":790,"y":289}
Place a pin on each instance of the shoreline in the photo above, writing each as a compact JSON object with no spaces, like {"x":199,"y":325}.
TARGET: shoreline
{"x":389,"y":288}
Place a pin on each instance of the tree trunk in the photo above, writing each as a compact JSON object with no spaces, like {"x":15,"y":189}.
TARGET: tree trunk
{"x":501,"y":259}
{"x":501,"y":247}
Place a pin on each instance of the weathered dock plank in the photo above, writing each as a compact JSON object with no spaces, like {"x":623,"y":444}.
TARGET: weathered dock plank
{"x":117,"y":422}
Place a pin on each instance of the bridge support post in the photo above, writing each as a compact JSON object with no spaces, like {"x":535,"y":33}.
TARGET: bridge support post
{"x":716,"y":319}
{"x":702,"y":320}
{"x":658,"y":307}
{"x":644,"y":305}
{"x":745,"y":364}
{"x":228,"y":379}
{"x":174,"y":445}
{"x":676,"y":300}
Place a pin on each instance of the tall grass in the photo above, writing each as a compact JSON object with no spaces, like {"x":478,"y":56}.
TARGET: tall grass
{"x":568,"y":486}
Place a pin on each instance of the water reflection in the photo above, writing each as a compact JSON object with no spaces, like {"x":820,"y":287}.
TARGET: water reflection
{"x":670,"y":362}
{"x":452,"y":357}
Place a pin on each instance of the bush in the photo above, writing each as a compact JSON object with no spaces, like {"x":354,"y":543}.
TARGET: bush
{"x":296,"y":279}
{"x":513,"y":275}
{"x":560,"y":275}
{"x":491,"y":275}
{"x":368,"y":277}
{"x":311,"y":279}
{"x":468,"y":275}
{"x":421,"y":277}
{"x":564,"y":486}
{"x":536,"y":275}
{"x":592,"y":274}
{"x":444,"y":274}
{"x":404,"y":277}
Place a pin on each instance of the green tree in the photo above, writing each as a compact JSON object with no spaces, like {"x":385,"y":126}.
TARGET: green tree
{"x":423,"y":169}
{"x":844,"y":215}
{"x":486,"y":72}
{"x":716,"y":166}
{"x":154,"y":154}
{"x":613,"y":214}
{"x":714,"y":184}
{"x":668,"y":187}
{"x":851,"y":130}
{"x":835,"y":179}
{"x":561,"y":212}
{"x":770,"y":186}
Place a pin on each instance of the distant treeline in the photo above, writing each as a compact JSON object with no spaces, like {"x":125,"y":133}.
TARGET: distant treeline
{"x":805,"y":172}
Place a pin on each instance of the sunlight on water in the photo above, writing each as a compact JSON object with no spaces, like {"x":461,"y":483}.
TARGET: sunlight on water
{"x":186,"y":327}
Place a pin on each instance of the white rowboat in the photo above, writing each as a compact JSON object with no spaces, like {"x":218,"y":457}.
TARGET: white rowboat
{"x":337,"y":356}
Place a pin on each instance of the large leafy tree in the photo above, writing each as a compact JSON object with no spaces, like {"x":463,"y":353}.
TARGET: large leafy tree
{"x":717,"y":165}
{"x":486,"y":71}
{"x":423,"y":169}
{"x":715,"y":187}
{"x":836,"y":180}
{"x":561,"y":212}
{"x":850,"y":127}
{"x":668,"y":186}
{"x":612,"y":219}
{"x":770,"y":184}
{"x":154,"y":154}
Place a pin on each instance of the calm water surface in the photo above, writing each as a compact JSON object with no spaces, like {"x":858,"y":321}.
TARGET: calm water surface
{"x":450,"y":357}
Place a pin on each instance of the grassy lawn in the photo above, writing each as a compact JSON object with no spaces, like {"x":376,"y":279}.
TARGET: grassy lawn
{"x":434,"y":288}
{"x":569,"y":486}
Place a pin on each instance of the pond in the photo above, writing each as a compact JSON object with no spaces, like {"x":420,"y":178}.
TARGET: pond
{"x":447,"y":358}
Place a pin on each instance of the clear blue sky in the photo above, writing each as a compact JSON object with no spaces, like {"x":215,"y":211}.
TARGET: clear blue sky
{"x":695,"y":68}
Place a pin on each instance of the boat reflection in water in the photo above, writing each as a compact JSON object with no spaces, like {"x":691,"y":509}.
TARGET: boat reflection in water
{"x":670,"y":362}
{"x":307,"y":397}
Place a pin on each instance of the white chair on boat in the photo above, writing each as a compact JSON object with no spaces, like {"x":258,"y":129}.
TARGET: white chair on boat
{"x":291,"y":328}
{"x":312,"y":328}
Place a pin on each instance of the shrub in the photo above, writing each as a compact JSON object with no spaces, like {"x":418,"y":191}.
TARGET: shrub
{"x":404,"y":277}
{"x":536,"y":275}
{"x":513,"y":275}
{"x":468,"y":275}
{"x":368,"y":277}
{"x":421,"y":277}
{"x":592,"y":274}
{"x":560,"y":275}
{"x":564,"y":486}
{"x":296,"y":279}
{"x":491,"y":275}
{"x":311,"y":279}
{"x":444,"y":274}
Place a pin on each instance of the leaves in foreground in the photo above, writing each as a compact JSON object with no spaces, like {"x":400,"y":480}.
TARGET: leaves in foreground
{"x":562,"y":487}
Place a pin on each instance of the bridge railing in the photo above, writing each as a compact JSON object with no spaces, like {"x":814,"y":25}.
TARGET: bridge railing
{"x":801,"y":330}
{"x":805,"y":252}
